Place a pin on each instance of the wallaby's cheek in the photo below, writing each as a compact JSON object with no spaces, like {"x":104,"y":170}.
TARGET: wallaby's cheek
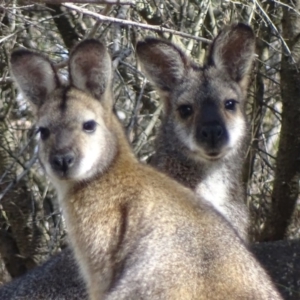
{"x":185,"y":134}
{"x":93,"y":148}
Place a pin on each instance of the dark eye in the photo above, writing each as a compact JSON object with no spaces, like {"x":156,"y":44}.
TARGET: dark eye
{"x":185,"y":111}
{"x":44,"y":133}
{"x":230,"y":104}
{"x":89,"y":126}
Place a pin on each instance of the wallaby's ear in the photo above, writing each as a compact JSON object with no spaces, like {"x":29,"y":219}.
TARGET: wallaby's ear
{"x":34,"y":74}
{"x":233,"y":51}
{"x":90,"y":68}
{"x":164,"y":64}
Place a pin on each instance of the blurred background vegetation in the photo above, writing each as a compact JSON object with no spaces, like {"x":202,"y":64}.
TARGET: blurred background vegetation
{"x":31,"y":225}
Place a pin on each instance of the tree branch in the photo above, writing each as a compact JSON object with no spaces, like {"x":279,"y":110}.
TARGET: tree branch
{"x":65,"y":28}
{"x":136,"y":24}
{"x":119,"y":2}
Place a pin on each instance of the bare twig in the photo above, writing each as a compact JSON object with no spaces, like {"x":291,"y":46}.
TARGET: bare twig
{"x":252,"y":11}
{"x":132,"y":23}
{"x":136,"y":107}
{"x":132,"y":68}
{"x":119,"y":2}
{"x":20,"y":176}
{"x":15,"y":157}
{"x":98,"y":24}
{"x":118,"y":57}
{"x":117,"y":30}
{"x":288,"y":6}
{"x":144,"y":135}
{"x":199,"y":22}
{"x":275,"y":29}
{"x":212,"y":19}
{"x":9,"y":36}
{"x":6,"y":80}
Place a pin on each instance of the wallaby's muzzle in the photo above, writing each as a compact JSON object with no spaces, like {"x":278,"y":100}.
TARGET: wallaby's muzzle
{"x":61,"y":163}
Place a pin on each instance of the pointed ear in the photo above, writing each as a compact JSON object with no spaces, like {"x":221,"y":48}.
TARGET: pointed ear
{"x":164,"y":64}
{"x":34,"y":74}
{"x":233,"y":51}
{"x":90,"y":68}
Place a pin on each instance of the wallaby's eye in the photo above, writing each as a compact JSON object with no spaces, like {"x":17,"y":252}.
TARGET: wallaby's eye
{"x":230,"y":104}
{"x":185,"y":111}
{"x":44,"y":133}
{"x":89,"y":126}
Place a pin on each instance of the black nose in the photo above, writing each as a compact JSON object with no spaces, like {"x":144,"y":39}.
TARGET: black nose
{"x":62,"y":162}
{"x":212,"y":133}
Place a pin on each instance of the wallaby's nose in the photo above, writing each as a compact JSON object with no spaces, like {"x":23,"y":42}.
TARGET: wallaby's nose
{"x":212,"y":133}
{"x":62,"y":162}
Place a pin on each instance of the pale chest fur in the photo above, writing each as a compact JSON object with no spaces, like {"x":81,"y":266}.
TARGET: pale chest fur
{"x":215,"y":188}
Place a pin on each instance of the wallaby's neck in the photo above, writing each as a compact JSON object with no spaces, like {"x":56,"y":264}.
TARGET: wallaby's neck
{"x":96,"y":210}
{"x":171,"y":158}
{"x":217,"y":182}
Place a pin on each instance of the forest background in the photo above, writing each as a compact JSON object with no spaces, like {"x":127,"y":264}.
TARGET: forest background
{"x":31,"y":225}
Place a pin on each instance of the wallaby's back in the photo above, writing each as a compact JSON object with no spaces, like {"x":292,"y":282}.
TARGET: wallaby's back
{"x":59,"y":278}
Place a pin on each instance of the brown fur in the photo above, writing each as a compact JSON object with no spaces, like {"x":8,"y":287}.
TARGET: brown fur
{"x":211,"y":167}
{"x":136,"y":233}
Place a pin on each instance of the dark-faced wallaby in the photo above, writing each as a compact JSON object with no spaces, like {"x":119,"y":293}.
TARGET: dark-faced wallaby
{"x":135,"y":233}
{"x":201,"y":142}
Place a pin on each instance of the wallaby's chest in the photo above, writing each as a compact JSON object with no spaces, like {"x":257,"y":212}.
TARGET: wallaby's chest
{"x":215,"y":188}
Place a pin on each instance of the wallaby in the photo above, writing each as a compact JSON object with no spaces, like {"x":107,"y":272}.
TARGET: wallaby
{"x":59,"y":278}
{"x":202,"y":139}
{"x":135,"y":233}
{"x":66,"y":257}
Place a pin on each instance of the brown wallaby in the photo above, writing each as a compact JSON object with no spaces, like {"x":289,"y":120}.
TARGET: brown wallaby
{"x":59,"y":278}
{"x":202,"y":140}
{"x":135,"y":233}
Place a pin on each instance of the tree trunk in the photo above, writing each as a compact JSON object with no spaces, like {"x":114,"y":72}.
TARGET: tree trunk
{"x":286,"y":182}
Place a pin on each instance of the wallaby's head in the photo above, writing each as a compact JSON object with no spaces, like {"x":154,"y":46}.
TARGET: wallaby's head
{"x":204,"y":106}
{"x":74,"y":120}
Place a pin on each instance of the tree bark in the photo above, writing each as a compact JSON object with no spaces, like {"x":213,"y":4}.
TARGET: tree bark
{"x":65,"y":28}
{"x":286,"y":182}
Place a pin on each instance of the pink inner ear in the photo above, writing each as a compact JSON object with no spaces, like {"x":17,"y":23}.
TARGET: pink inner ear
{"x":89,"y":76}
{"x":34,"y":74}
{"x":233,"y":52}
{"x":164,"y":63}
{"x":90,"y":67}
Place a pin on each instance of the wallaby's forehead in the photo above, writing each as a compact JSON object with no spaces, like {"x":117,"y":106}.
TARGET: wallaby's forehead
{"x":207,"y":85}
{"x":69,"y":104}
